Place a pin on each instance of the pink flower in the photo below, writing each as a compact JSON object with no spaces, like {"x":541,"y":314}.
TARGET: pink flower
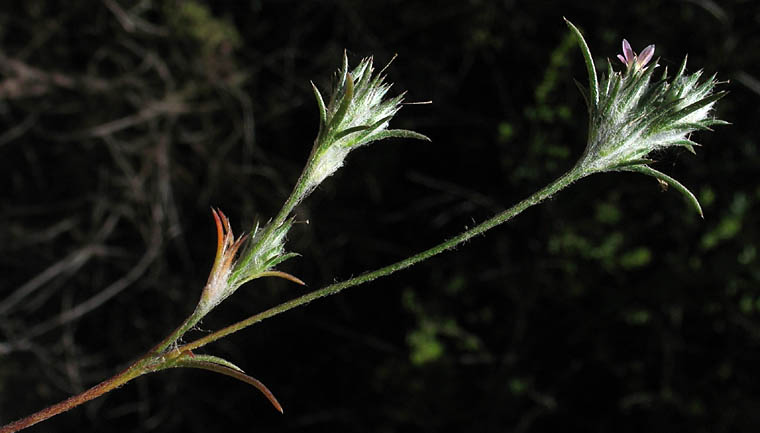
{"x":629,"y":57}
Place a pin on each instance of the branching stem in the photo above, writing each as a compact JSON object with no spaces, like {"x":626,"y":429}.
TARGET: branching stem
{"x":536,"y":198}
{"x":155,"y":356}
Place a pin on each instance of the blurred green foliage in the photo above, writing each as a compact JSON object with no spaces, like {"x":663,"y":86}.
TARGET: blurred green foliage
{"x":195,"y":20}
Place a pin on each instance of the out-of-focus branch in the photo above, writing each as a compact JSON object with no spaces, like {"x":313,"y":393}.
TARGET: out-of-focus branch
{"x":131,"y":22}
{"x":23,"y":81}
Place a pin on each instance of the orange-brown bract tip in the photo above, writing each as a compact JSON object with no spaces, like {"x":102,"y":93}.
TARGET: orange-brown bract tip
{"x":267,"y":393}
{"x":294,"y":279}
{"x":219,"y":230}
{"x":226,"y":222}
{"x":283,"y":275}
{"x":233,"y":250}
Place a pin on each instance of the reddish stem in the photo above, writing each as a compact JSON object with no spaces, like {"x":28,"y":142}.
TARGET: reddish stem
{"x":96,"y":391}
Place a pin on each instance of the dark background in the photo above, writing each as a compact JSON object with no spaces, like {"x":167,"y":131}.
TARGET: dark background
{"x":611,"y":308}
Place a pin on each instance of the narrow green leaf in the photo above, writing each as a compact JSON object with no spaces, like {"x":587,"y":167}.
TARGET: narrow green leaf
{"x":187,"y":358}
{"x":689,"y":127}
{"x":367,"y":131}
{"x":639,"y":161}
{"x":693,"y":79}
{"x":670,"y":181}
{"x":654,"y":93}
{"x":351,"y":130}
{"x":664,"y":74}
{"x":612,"y":96}
{"x":340,"y":83}
{"x":664,"y":115}
{"x":233,"y":372}
{"x":343,"y":71}
{"x":610,"y":73}
{"x":348,"y":95}
{"x":283,"y":228}
{"x":279,"y":259}
{"x":635,"y":87}
{"x":321,"y":105}
{"x":701,"y":104}
{"x":593,"y":82}
{"x":385,"y":119}
{"x":682,"y":68}
{"x":400,"y":133}
{"x":210,"y":358}
{"x":706,"y":85}
{"x":711,"y":122}
{"x":685,"y":142}
{"x":364,"y":72}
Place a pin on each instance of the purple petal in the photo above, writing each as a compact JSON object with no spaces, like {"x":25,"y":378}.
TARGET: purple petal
{"x":622,"y":59}
{"x":646,"y":55}
{"x":627,"y":52}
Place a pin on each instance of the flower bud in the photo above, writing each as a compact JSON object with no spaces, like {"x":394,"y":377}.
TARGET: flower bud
{"x":263,"y":251}
{"x":356,"y":115}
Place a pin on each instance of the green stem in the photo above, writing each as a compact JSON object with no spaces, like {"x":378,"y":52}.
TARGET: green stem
{"x":177,"y":333}
{"x":295,"y":197}
{"x":536,"y":198}
{"x":298,"y":194}
{"x":144,"y":364}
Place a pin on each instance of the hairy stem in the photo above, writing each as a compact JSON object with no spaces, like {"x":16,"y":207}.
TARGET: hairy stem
{"x":96,"y":391}
{"x":148,"y":363}
{"x":536,"y":198}
{"x":177,"y":333}
{"x":143,"y":365}
{"x":300,"y":190}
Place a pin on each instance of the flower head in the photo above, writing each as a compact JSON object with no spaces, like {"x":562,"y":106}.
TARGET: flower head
{"x":258,"y":259}
{"x":638,"y":114}
{"x":633,"y":114}
{"x":357,"y":114}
